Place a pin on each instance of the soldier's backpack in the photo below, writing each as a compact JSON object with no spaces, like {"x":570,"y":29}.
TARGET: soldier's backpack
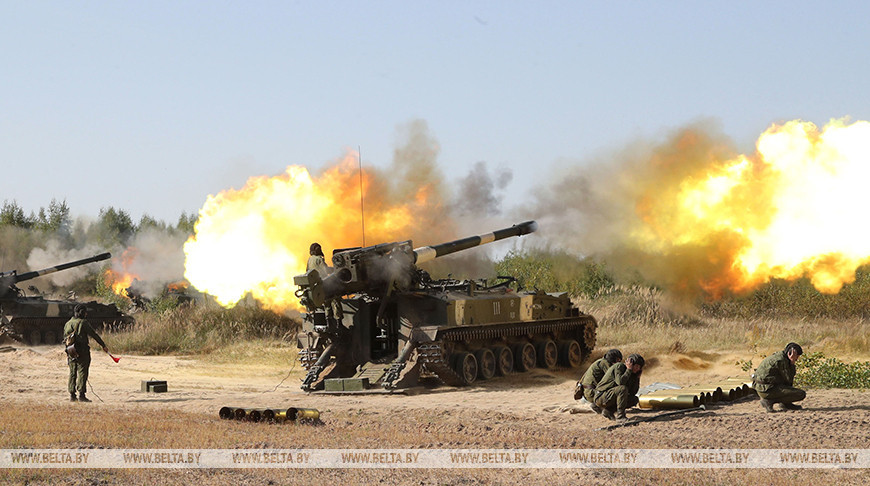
{"x":578,"y":391}
{"x":70,"y":343}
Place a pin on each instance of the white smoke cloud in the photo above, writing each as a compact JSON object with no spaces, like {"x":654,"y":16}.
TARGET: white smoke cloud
{"x":54,"y":254}
{"x":157,"y":259}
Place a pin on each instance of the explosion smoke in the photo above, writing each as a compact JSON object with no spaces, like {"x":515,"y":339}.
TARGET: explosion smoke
{"x":153,"y":259}
{"x":54,"y":254}
{"x":693,"y":215}
{"x":255,"y":239}
{"x":477,"y":192}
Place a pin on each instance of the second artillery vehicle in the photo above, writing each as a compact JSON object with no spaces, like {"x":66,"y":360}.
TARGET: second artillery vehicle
{"x":376,"y":320}
{"x":36,"y":320}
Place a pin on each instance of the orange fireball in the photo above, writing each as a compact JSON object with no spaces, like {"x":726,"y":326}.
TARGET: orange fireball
{"x":121,"y":278}
{"x":256,"y":239}
{"x":119,"y":281}
{"x":794,"y":208}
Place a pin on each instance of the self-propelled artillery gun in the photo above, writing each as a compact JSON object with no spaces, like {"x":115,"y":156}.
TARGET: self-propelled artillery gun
{"x":377,"y":321}
{"x":36,"y":320}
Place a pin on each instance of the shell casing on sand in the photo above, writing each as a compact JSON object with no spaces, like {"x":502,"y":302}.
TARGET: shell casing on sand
{"x":254,"y":414}
{"x":302,"y":413}
{"x":268,"y":414}
{"x":728,"y":393}
{"x":727,"y":389}
{"x":227,"y":413}
{"x":745,"y":383}
{"x":672,"y":402}
{"x":241,"y":413}
{"x":714,"y":391}
{"x":703,"y":396}
{"x":273,"y":415}
{"x":735,"y":391}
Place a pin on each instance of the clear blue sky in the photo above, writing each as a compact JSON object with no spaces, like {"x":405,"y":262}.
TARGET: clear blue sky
{"x":150,"y":106}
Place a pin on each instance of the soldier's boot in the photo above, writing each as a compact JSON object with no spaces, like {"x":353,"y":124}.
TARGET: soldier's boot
{"x":608,"y":414}
{"x":595,"y":408}
{"x":620,"y":416}
{"x":72,"y":397}
{"x":83,"y":398}
{"x":791,"y":406}
{"x":767,"y":405}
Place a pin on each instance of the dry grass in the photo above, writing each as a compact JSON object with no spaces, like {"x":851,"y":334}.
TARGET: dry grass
{"x":276,"y":353}
{"x":646,"y":320}
{"x":200,"y":329}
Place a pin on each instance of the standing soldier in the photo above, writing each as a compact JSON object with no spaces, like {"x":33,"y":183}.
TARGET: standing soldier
{"x":775,"y":376}
{"x":79,"y":329}
{"x":586,"y":386}
{"x":317,"y":262}
{"x":617,"y":390}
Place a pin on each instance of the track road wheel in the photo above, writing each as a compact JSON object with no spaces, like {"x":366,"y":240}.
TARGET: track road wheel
{"x":35,"y":338}
{"x":570,"y":353}
{"x":485,"y":363}
{"x":48,"y":338}
{"x":504,"y":360}
{"x":465,"y":365}
{"x":524,"y":356}
{"x":548,"y":354}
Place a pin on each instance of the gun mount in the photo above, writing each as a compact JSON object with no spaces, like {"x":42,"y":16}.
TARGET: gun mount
{"x":386,"y":267}
{"x":378,"y":319}
{"x":36,"y":320}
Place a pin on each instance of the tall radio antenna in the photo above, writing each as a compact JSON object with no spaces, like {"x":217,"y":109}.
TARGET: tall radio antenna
{"x":362,"y":212}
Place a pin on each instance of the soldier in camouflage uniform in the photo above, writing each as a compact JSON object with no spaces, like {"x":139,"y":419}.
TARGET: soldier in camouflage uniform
{"x":586,"y":386}
{"x":618,"y":388}
{"x":79,"y":327}
{"x":318,"y":262}
{"x":775,"y":376}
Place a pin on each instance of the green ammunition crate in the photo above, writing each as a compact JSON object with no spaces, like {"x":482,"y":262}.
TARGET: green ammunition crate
{"x":147,"y":385}
{"x":334,"y":384}
{"x":356,"y":384}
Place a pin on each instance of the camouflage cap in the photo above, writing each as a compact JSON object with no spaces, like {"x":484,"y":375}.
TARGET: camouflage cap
{"x":613,"y":356}
{"x":794,"y":346}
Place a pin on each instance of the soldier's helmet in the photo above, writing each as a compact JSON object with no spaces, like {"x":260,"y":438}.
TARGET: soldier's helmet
{"x":80,"y":310}
{"x":315,"y":249}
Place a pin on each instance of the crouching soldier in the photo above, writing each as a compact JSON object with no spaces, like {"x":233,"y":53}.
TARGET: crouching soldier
{"x":586,"y":386}
{"x":775,"y":376}
{"x":617,"y":390}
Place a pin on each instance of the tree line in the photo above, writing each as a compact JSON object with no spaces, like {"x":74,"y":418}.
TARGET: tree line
{"x":21,"y":232}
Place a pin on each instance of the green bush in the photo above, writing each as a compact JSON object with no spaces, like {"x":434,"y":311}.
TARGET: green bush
{"x":556,"y":272}
{"x":797,"y":299}
{"x":815,"y":370}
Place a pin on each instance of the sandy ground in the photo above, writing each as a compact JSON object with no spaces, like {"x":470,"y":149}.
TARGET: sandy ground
{"x":40,"y":374}
{"x":520,"y":411}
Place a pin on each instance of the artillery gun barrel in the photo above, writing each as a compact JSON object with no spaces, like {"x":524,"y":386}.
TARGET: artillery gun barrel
{"x":63,"y":266}
{"x":378,"y":268}
{"x":427,"y":253}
